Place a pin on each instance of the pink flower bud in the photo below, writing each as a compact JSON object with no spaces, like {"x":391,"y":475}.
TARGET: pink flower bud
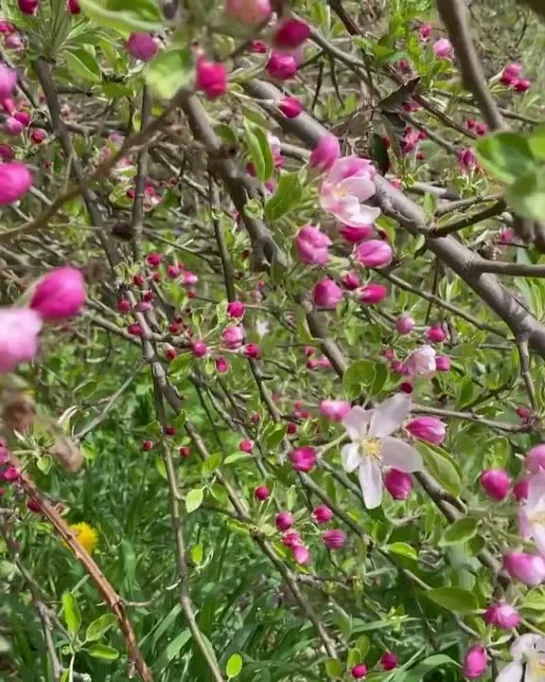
{"x":6,"y":152}
{"x":5,"y":27}
{"x":14,"y":42}
{"x":475,"y":662}
{"x":4,"y":455}
{"x":422,"y":361}
{"x":355,"y":235}
{"x":429,"y":429}
{"x":521,"y":489}
{"x":359,"y":671}
{"x":15,"y":181}
{"x":389,"y":661}
{"x":13,"y":127}
{"x":480,"y":128}
{"x":262,"y":493}
{"x":10,"y":475}
{"x":33,"y":506}
{"x":290,"y":34}
{"x":528,"y":568}
{"x":281,"y":67}
{"x":466,"y":158}
{"x":211,"y":77}
{"x":495,"y":483}
{"x":502,"y":615}
{"x":291,"y":107}
{"x":425,"y":31}
{"x":351,"y":281}
{"x":222,"y":366}
{"x":405,"y":324}
{"x":442,"y":363}
{"x":135,"y":329}
{"x":74,"y":6}
{"x":374,"y":253}
{"x":443,"y":49}
{"x":8,"y":80}
{"x":535,"y":459}
{"x":28,"y":6}
{"x":189,"y":279}
{"x":398,"y":484}
{"x":249,"y":12}
{"x":326,"y":152}
{"x":233,"y":337}
{"x":38,"y":135}
{"x":257,"y":47}
{"x":334,"y":539}
{"x":251,"y":350}
{"x":312,"y":246}
{"x":124,"y":306}
{"x":436,"y":334}
{"x":23,"y":117}
{"x":301,"y":554}
{"x":235,"y":309}
{"x":513,"y":70}
{"x":372,"y":293}
{"x":283,"y":521}
{"x":522,"y":85}
{"x":322,"y":514}
{"x":335,"y":410}
{"x":246,"y":446}
{"x":199,"y":349}
{"x":303,"y":459}
{"x":60,"y":294}
{"x":291,"y":539}
{"x":327,"y":294}
{"x":19,"y":328}
{"x":153,"y":259}
{"x":142,"y":46}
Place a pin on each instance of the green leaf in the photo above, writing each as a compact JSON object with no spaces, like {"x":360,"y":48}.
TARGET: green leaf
{"x":507,"y":156}
{"x":403,"y":549}
{"x":193,"y":499}
{"x":99,"y":627}
{"x":181,"y":365}
{"x":72,"y":616}
{"x":256,"y":153}
{"x":83,"y":65}
{"x":211,"y":464}
{"x":527,"y":195}
{"x":234,"y":666}
{"x":333,"y":668}
{"x":265,"y":151}
{"x":454,"y":599}
{"x":125,"y":16}
{"x":441,"y":467}
{"x":358,"y":378}
{"x":235,"y":457}
{"x":419,"y":671}
{"x":460,"y":531}
{"x":363,"y":644}
{"x":536,"y":142}
{"x":288,"y":196}
{"x":197,"y":554}
{"x":173,"y":648}
{"x":108,"y":653}
{"x":169,"y":71}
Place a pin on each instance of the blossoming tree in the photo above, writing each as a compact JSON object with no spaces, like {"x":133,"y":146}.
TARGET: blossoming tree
{"x":271,"y":341}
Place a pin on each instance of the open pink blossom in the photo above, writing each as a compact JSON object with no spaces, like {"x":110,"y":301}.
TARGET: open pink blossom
{"x":19,"y":328}
{"x":528,"y":664}
{"x":532,"y":511}
{"x":422,"y":361}
{"x":373,"y":447}
{"x":348,"y":184}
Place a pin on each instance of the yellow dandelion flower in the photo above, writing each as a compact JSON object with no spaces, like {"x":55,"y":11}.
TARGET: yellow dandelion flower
{"x":86,"y":535}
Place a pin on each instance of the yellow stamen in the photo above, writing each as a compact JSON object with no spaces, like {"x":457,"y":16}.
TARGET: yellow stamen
{"x":370,"y":447}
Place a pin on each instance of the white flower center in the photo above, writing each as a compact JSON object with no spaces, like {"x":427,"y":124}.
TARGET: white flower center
{"x":370,"y":448}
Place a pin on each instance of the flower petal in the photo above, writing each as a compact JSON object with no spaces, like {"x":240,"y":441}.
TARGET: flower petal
{"x":370,"y":476}
{"x":538,"y":533}
{"x":361,"y":187}
{"x":366,"y":215}
{"x":536,"y":490}
{"x":400,"y":455}
{"x":524,"y":644}
{"x":356,"y":422}
{"x":350,"y":455}
{"x":511,"y":673}
{"x":389,"y":415}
